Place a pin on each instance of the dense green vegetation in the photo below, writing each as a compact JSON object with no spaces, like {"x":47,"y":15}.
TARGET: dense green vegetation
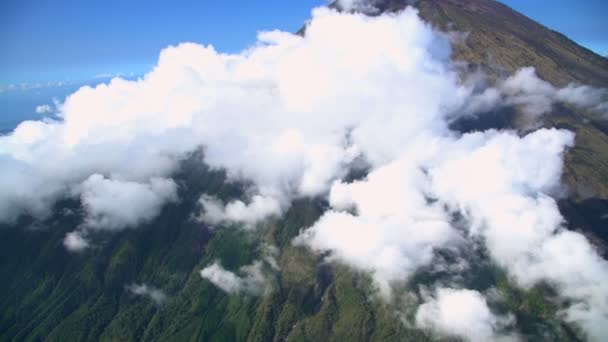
{"x":48,"y":293}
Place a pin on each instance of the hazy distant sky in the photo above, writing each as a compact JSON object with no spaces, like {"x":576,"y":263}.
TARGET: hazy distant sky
{"x":44,"y":41}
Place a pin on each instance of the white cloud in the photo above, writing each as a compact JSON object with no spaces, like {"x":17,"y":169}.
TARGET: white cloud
{"x":75,"y":242}
{"x":256,"y":113}
{"x":114,"y":204}
{"x":537,"y":96}
{"x":144,"y":290}
{"x":508,"y":205}
{"x":258,"y":209}
{"x":276,"y":114}
{"x":252,"y":282}
{"x":560,"y":261}
{"x":289,"y":115}
{"x":463,"y":313}
{"x":393,"y":231}
{"x":43,"y":109}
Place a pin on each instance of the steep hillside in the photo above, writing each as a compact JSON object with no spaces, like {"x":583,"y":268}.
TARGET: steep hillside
{"x":51,"y":294}
{"x":107,"y":292}
{"x":500,"y":41}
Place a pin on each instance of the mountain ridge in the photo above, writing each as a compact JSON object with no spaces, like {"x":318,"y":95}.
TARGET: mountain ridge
{"x":451,"y":15}
{"x":52,"y":294}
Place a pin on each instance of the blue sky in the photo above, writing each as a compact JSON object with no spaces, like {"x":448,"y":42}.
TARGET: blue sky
{"x":43,"y":41}
{"x":51,"y":40}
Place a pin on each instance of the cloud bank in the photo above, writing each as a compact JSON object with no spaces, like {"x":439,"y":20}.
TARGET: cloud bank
{"x":290,"y":115}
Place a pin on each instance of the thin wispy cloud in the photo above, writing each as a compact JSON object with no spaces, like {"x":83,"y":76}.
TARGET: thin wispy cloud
{"x":43,"y":109}
{"x":144,"y":290}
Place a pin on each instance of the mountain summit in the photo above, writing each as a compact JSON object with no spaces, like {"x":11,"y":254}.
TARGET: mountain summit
{"x":498,"y":36}
{"x":498,"y":40}
{"x":430,"y":170}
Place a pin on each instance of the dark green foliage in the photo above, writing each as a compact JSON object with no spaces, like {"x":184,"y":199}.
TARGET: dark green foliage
{"x":51,"y":294}
{"x":47,"y":293}
{"x":536,"y":311}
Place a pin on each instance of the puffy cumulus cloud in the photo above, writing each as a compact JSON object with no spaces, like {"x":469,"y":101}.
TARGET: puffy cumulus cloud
{"x":43,"y":109}
{"x":393,"y":221}
{"x":75,"y":242}
{"x":464,"y":313}
{"x":277,"y":114}
{"x":237,"y":211}
{"x":290,"y":115}
{"x":570,"y":263}
{"x":506,"y":197}
{"x":383,"y":224}
{"x":114,"y":204}
{"x":24,"y":189}
{"x":156,"y":295}
{"x":252,"y":281}
{"x":509,"y":207}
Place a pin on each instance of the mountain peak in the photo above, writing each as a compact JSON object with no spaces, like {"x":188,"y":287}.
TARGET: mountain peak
{"x":500,"y":36}
{"x":381,"y":6}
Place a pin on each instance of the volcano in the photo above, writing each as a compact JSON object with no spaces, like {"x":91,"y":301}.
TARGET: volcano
{"x":465,"y":218}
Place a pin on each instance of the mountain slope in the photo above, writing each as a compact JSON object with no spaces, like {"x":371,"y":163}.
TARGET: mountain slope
{"x":500,"y":41}
{"x":500,"y":38}
{"x":50,"y":294}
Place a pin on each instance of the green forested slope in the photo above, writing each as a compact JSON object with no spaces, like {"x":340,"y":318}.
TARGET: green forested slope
{"x":50,"y":294}
{"x":47,"y":293}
